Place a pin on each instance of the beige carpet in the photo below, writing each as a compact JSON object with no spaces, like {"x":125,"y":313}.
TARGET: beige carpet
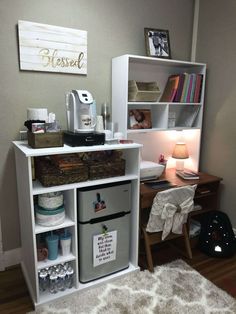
{"x":172,"y":288}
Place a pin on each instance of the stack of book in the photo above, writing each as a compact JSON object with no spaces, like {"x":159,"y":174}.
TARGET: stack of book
{"x":187,"y":174}
{"x":184,"y":87}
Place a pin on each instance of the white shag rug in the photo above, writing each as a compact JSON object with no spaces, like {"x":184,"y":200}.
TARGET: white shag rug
{"x":174,"y":288}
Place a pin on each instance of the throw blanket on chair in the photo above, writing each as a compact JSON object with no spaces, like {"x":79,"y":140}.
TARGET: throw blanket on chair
{"x":170,"y":210}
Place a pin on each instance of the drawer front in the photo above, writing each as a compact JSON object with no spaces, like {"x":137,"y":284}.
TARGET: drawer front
{"x":207,"y":189}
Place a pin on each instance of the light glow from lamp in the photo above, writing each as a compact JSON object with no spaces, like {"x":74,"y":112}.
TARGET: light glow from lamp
{"x":180,"y":153}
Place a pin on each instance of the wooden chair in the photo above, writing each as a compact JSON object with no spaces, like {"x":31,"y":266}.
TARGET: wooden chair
{"x":151,"y":238}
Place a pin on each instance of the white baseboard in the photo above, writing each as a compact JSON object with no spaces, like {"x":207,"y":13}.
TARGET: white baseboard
{"x":12,"y":257}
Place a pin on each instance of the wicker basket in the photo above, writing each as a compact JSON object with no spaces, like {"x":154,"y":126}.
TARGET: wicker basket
{"x":106,"y":169}
{"x":49,"y":175}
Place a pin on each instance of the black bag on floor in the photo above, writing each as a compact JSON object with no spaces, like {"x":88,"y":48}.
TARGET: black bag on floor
{"x":217,"y":237}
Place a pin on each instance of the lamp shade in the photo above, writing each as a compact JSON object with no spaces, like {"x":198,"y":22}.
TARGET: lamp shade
{"x":180,"y":151}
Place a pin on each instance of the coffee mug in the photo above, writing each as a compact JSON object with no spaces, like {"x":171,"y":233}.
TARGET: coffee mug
{"x":86,"y":122}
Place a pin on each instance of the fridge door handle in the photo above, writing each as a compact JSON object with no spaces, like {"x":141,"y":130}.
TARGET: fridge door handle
{"x":105,"y":218}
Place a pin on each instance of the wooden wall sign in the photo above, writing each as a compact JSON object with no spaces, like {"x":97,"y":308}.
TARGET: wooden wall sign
{"x":50,"y":48}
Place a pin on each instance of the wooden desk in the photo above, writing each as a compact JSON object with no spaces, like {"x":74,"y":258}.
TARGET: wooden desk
{"x":206,"y":193}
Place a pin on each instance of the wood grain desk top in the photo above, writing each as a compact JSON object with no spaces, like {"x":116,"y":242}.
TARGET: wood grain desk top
{"x":147,"y":193}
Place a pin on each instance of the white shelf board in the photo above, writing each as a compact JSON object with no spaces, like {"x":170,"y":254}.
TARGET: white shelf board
{"x":180,"y":128}
{"x":165,"y":62}
{"x":146,"y":103}
{"x":161,"y":129}
{"x":129,"y":131}
{"x":60,"y":259}
{"x":157,"y":103}
{"x":41,"y":229}
{"x":35,"y":152}
{"x":185,"y":104}
{"x":39,"y":189}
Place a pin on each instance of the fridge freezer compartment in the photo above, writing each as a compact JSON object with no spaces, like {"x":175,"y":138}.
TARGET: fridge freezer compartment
{"x":103,"y":200}
{"x":104,"y":246}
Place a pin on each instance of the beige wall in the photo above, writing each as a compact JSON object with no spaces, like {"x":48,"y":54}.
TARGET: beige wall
{"x":217,"y":47}
{"x":115,"y":27}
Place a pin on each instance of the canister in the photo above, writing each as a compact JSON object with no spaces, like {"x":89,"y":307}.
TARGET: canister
{"x":50,"y":217}
{"x":51,"y":200}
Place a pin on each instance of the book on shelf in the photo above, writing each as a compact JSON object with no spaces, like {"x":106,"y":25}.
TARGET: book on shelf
{"x":170,"y":89}
{"x":187,"y":174}
{"x":191,"y":89}
{"x":190,"y":86}
{"x":198,"y":88}
{"x":185,"y":88}
{"x":180,"y":87}
{"x":191,"y":97}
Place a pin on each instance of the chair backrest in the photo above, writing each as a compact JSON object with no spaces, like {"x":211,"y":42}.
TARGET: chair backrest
{"x":168,"y":204}
{"x":175,"y":196}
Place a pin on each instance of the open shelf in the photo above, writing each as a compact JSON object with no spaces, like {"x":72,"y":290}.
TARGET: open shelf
{"x":60,"y":260}
{"x":41,"y":229}
{"x":39,"y":189}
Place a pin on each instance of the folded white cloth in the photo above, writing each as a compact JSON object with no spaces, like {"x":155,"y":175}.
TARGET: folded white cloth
{"x":170,"y":210}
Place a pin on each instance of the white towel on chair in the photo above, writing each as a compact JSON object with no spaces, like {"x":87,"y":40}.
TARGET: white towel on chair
{"x":170,"y":210}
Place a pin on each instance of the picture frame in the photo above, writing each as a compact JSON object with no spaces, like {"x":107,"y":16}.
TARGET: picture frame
{"x":140,"y":119}
{"x":157,"y":43}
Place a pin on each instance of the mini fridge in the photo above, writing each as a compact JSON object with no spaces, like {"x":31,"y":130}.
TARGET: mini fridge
{"x":103,"y":229}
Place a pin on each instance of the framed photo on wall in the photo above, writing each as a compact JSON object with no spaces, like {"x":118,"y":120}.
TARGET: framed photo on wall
{"x":157,"y":43}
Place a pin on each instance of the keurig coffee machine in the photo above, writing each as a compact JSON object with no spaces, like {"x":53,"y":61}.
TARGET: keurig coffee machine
{"x":81,"y":120}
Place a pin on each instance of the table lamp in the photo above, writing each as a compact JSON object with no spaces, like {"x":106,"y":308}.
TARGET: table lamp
{"x":180,"y":152}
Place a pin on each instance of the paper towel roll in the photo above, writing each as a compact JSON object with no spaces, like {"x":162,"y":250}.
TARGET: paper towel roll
{"x":37,"y":114}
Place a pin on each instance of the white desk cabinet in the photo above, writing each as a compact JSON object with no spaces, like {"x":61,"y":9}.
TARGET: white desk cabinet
{"x":28,"y":188}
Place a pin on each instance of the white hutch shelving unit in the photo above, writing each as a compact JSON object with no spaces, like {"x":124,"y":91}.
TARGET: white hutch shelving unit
{"x":27,"y":189}
{"x":161,"y":138}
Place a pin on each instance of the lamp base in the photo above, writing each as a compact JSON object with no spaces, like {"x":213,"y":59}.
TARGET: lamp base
{"x":179,"y":165}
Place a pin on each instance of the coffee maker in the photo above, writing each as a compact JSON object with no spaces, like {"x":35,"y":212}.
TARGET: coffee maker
{"x":80,"y":114}
{"x":81,"y":120}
